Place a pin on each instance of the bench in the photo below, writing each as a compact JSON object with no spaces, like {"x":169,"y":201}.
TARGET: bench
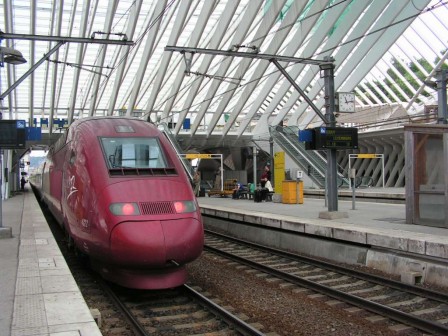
{"x":246,"y":195}
{"x":229,"y":186}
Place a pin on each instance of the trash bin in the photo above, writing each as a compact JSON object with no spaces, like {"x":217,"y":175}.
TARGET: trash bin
{"x":289,"y":192}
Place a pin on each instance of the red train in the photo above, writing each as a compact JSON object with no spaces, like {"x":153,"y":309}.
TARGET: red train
{"x":120,"y":191}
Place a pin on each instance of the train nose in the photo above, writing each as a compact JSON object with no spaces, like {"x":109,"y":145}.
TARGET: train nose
{"x":138,"y":244}
{"x":156,"y":243}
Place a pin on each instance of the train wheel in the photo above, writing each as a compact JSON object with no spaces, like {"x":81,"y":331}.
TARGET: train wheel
{"x":82,"y":257}
{"x":69,"y":240}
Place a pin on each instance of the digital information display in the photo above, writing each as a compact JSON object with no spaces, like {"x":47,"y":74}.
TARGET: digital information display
{"x":336,"y":138}
{"x":12,"y":134}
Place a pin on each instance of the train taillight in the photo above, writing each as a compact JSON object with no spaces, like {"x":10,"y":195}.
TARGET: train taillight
{"x":124,"y":209}
{"x":184,"y":206}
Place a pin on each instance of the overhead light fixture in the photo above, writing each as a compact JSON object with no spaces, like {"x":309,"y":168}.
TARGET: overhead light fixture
{"x":14,"y":59}
{"x":11,"y":56}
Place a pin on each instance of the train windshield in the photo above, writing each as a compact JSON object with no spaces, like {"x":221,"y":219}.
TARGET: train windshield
{"x":133,"y":153}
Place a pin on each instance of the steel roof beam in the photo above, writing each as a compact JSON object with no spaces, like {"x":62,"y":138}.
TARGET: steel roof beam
{"x":55,"y":24}
{"x":238,"y":38}
{"x":79,"y":60}
{"x":215,"y":42}
{"x":111,"y":10}
{"x":11,"y":73}
{"x":260,"y":36}
{"x":251,"y":55}
{"x":387,"y":40}
{"x":287,"y":24}
{"x":63,"y":39}
{"x":162,"y":68}
{"x":348,"y":75}
{"x":196,"y":34}
{"x":123,"y":56}
{"x":30,"y":71}
{"x":31,"y":60}
{"x":307,"y":76}
{"x":344,"y":31}
{"x":148,"y":49}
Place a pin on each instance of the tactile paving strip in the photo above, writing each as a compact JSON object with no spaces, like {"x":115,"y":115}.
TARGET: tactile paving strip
{"x":37,"y":331}
{"x":28,"y":251}
{"x":29,"y":311}
{"x":28,"y":286}
{"x":28,"y":270}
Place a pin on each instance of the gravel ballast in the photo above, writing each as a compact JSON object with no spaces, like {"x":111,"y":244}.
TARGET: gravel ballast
{"x":280,"y":309}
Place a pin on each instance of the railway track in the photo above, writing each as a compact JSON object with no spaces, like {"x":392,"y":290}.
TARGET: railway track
{"x":388,"y":300}
{"x":179,"y":311}
{"x":129,"y":312}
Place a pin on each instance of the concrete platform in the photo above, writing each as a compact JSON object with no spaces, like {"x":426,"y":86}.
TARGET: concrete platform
{"x":39,"y":294}
{"x":374,"y":235}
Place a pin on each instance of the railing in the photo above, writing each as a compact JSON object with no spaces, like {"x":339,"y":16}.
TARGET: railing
{"x":428,"y":118}
{"x":284,"y":137}
{"x":313,"y":162}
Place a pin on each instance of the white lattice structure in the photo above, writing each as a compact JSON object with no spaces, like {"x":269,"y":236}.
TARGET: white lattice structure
{"x":227,"y":100}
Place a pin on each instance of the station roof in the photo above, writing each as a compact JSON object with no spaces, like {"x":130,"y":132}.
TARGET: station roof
{"x":108,"y":57}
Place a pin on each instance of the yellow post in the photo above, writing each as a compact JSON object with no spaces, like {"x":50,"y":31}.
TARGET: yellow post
{"x":279,"y":171}
{"x":299,"y":192}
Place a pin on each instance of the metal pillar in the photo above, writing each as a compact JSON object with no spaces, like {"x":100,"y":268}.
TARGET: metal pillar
{"x":271,"y":148}
{"x":441,"y":97}
{"x":1,"y":189}
{"x":332,"y":188}
{"x":254,"y":155}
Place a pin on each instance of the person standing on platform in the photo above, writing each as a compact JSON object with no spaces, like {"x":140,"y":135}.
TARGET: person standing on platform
{"x":22,"y":183}
{"x":266,"y":176}
{"x":197,"y":183}
{"x":217,"y":184}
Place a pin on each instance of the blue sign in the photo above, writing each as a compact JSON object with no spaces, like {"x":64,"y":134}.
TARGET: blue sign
{"x":33,"y":133}
{"x":20,"y":124}
{"x":323,"y":130}
{"x":186,"y":123}
{"x":306,"y":135}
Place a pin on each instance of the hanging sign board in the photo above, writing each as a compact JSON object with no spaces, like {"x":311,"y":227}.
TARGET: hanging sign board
{"x":12,"y":134}
{"x":336,"y":137}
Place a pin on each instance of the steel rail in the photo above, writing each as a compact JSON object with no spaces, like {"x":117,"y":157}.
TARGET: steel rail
{"x":406,"y":318}
{"x":430,"y":294}
{"x":137,"y":327}
{"x":233,"y":321}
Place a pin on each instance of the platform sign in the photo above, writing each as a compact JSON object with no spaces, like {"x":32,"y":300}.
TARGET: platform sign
{"x":367,"y":156}
{"x":336,"y":137}
{"x":198,"y":156}
{"x":12,"y":134}
{"x":33,"y":134}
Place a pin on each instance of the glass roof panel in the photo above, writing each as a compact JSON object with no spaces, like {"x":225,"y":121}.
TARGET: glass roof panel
{"x":74,"y":70}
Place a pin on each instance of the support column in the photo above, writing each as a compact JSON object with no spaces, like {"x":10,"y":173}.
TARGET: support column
{"x":441,"y":96}
{"x":254,"y":155}
{"x":331,"y":184}
{"x":271,"y":148}
{"x":332,"y":191}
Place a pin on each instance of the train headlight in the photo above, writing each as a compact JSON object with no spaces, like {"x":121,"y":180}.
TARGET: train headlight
{"x":185,"y":206}
{"x":124,"y":209}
